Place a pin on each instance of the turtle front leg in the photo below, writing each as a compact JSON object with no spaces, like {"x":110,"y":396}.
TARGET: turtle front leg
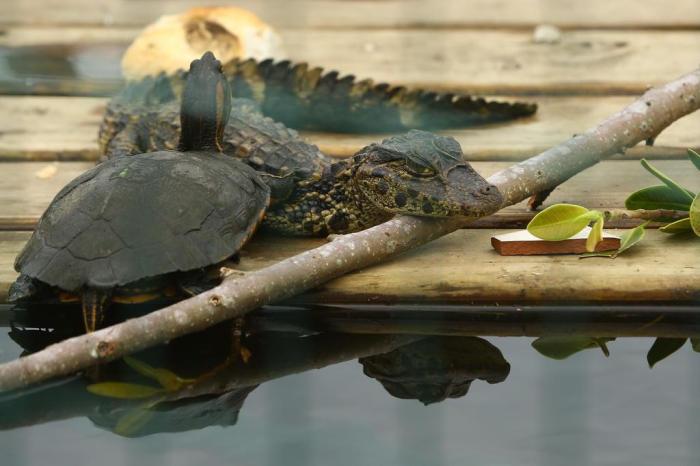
{"x":95,"y":304}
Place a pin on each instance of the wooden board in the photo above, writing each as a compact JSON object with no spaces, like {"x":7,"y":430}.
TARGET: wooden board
{"x":65,"y":128}
{"x":24,"y":196}
{"x":482,"y":61}
{"x":368,"y":13}
{"x":463,"y":268}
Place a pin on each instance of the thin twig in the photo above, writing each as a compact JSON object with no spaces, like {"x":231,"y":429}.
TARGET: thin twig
{"x":645,"y":117}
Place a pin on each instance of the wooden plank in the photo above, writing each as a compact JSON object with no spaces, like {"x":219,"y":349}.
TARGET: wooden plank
{"x":24,"y":196}
{"x":477,"y":61}
{"x":65,"y":128}
{"x":463,"y":268}
{"x":368,"y":13}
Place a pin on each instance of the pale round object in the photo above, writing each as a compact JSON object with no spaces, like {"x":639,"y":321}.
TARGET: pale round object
{"x":173,"y":41}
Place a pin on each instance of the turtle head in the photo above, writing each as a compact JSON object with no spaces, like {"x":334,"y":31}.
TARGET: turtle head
{"x":420,"y":173}
{"x":206,"y":104}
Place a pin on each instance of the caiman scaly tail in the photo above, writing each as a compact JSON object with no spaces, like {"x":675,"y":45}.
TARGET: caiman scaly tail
{"x":308,"y":98}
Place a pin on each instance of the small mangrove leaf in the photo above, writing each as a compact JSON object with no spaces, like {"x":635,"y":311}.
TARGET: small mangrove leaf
{"x":562,"y":347}
{"x":167,"y":379}
{"x":595,"y":236}
{"x":679,"y":226}
{"x":695,"y":215}
{"x":681,"y":191}
{"x":695,"y":342}
{"x":663,"y":348}
{"x":124,"y":391}
{"x":694,"y":157}
{"x":630,"y":238}
{"x":133,"y":421}
{"x":657,"y":197}
{"x":561,"y":221}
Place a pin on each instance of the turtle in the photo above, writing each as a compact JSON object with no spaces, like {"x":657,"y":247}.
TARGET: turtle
{"x":133,"y":228}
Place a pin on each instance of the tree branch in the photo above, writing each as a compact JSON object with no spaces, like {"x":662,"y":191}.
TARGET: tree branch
{"x":236,"y":296}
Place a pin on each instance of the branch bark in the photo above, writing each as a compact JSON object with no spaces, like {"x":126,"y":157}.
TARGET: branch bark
{"x":644,"y":118}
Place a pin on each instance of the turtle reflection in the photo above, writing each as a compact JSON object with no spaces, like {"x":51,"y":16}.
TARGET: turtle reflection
{"x":215,"y":390}
{"x":436,"y":368}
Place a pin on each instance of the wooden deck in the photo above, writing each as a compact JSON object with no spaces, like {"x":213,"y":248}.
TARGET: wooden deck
{"x":609,"y":52}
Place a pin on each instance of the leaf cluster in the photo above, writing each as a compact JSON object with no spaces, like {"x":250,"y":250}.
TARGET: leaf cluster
{"x":562,"y":221}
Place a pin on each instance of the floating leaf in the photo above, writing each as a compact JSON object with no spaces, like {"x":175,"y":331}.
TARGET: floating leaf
{"x":595,"y":236}
{"x":168,"y":379}
{"x":679,"y":226}
{"x":563,"y":347}
{"x":657,"y":197}
{"x":680,"y":191}
{"x":133,"y":421}
{"x":663,"y":348}
{"x":695,"y":215}
{"x":695,"y":342}
{"x":694,"y":157}
{"x":124,"y":391}
{"x":560,"y":222}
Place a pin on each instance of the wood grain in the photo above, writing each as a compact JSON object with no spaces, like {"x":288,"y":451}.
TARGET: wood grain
{"x":463,"y":268}
{"x":24,"y":196}
{"x":65,"y":128}
{"x":472,"y":61}
{"x":374,"y":14}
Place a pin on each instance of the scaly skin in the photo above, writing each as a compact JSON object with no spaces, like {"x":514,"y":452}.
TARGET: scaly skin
{"x":303,"y":97}
{"x":311,"y":195}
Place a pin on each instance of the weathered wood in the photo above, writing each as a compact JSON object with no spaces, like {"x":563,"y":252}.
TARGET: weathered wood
{"x":24,"y":196}
{"x":374,"y":14}
{"x":481,"y":61}
{"x":463,"y":268}
{"x":65,"y":128}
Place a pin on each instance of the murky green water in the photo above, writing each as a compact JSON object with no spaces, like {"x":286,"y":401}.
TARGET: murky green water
{"x":586,"y":410}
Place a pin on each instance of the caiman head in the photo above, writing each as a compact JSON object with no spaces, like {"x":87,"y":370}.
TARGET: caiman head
{"x":421,"y":173}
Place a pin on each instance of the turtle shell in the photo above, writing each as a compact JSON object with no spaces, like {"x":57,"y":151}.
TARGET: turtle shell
{"x":136,"y":217}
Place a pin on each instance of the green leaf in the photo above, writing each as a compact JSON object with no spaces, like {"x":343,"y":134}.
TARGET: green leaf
{"x":695,"y":215}
{"x":608,"y":254}
{"x":133,"y":421}
{"x":630,"y":238}
{"x":561,"y":221}
{"x":694,"y":157}
{"x":663,"y":348}
{"x":695,"y":342}
{"x":679,"y":226}
{"x":563,"y":347}
{"x":680,"y":191}
{"x":167,"y":379}
{"x":595,"y":236}
{"x":124,"y":391}
{"x":657,"y":197}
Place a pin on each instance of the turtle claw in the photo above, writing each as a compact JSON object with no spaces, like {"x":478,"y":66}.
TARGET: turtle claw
{"x":225,"y":272}
{"x":95,"y":303}
{"x":238,"y":350}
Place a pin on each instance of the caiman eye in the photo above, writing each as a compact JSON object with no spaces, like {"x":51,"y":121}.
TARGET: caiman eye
{"x":419,"y":170}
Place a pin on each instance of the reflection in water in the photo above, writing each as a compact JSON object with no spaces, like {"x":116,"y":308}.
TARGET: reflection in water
{"x":428,"y":369}
{"x":437,"y":368}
